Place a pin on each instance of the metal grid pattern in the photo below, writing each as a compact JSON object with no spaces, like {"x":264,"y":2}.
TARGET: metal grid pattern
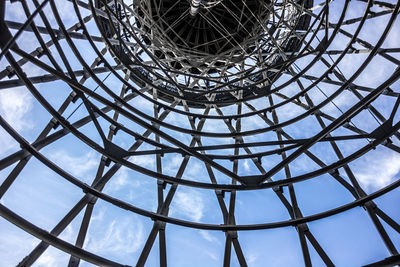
{"x":272,"y":97}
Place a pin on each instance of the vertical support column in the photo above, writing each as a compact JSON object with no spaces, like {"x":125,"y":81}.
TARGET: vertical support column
{"x":5,"y":34}
{"x":2,"y":11}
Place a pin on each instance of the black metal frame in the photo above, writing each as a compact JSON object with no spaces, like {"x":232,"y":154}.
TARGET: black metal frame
{"x":160,"y":83}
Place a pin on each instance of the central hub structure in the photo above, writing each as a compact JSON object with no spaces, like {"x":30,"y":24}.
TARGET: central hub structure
{"x":194,"y":7}
{"x":203,"y":27}
{"x":189,"y":47}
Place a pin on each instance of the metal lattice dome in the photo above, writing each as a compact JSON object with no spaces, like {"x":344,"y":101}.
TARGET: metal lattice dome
{"x":199,"y":133}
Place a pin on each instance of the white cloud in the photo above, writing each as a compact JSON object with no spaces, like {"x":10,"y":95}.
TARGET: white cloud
{"x":77,"y":165}
{"x":171,"y":164}
{"x":15,"y":104}
{"x":188,"y":204}
{"x":212,"y":255}
{"x":47,"y":260}
{"x":209,"y":237}
{"x":53,"y":256}
{"x":11,"y":240}
{"x":119,"y":180}
{"x":379,"y":170}
{"x":146,"y":161}
{"x":251,"y":258}
{"x":246,"y":164}
{"x":16,"y":244}
{"x":121,"y":236}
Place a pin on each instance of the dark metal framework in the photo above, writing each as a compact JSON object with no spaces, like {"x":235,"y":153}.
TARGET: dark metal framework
{"x":278,"y":46}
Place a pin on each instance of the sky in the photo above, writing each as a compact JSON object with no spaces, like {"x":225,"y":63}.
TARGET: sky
{"x":43,"y":197}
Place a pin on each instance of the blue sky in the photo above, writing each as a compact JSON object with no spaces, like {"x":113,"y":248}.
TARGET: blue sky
{"x":43,"y":197}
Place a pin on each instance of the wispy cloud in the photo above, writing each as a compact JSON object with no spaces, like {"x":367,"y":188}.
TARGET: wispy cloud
{"x":78,"y":165}
{"x":15,"y":104}
{"x":119,"y":180}
{"x":251,"y":258}
{"x":381,"y":169}
{"x":121,"y":236}
{"x":212,"y":255}
{"x":209,"y":237}
{"x":246,"y":164}
{"x":22,"y":243}
{"x":56,"y":257}
{"x":122,"y":180}
{"x":12,"y":237}
{"x":188,"y":204}
{"x":171,"y":164}
{"x":147,"y":161}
